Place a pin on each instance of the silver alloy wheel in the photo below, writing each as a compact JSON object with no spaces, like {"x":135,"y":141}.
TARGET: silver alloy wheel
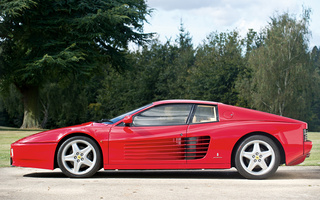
{"x":257,"y":157}
{"x":79,"y":157}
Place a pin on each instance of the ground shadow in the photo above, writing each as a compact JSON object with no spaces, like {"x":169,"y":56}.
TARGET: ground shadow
{"x":181,"y":174}
{"x":149,"y":174}
{"x":188,"y":174}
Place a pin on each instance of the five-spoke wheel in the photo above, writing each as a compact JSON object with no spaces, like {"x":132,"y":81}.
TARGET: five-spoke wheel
{"x":79,"y":156}
{"x":257,"y":157}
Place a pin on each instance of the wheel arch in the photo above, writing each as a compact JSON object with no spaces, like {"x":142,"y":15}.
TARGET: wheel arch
{"x":274,"y":139}
{"x":70,"y":136}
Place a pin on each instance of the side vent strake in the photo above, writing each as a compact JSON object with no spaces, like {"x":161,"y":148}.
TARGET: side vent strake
{"x":188,"y":148}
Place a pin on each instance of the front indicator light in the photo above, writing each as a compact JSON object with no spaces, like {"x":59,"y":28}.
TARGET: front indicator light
{"x":11,"y":156}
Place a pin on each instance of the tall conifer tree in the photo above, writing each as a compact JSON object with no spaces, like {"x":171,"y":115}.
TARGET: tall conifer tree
{"x":45,"y":40}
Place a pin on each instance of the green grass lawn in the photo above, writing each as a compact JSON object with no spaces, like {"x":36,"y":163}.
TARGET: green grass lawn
{"x":10,"y":135}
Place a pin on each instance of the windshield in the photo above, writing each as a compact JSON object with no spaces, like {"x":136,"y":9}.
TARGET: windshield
{"x":116,"y":119}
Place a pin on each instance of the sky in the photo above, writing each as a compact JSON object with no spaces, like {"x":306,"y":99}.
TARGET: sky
{"x":201,"y":17}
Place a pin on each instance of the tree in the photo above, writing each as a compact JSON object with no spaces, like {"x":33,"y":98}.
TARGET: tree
{"x":45,"y":41}
{"x":252,"y":41}
{"x":280,"y":67}
{"x":11,"y":109}
{"x":179,"y":86}
{"x":158,"y":71}
{"x":314,"y":115}
{"x":218,"y":64}
{"x":174,"y":77}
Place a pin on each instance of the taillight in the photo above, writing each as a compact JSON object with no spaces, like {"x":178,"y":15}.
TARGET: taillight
{"x":305,"y":135}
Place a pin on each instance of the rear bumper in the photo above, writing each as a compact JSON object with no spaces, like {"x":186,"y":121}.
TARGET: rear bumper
{"x":307,"y":146}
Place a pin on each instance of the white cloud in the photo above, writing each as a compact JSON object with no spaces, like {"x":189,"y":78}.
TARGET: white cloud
{"x":205,"y":16}
{"x":179,"y":4}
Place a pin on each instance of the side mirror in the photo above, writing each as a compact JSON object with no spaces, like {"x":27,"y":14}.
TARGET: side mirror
{"x":127,"y":120}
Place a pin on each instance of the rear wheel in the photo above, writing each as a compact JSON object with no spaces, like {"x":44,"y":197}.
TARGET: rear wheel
{"x":257,"y":157}
{"x":79,"y":157}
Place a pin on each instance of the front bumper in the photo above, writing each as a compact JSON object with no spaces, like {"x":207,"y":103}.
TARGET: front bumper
{"x":35,"y":155}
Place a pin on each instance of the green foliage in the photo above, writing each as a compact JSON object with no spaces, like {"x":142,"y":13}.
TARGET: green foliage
{"x":158,"y":71}
{"x":46,"y":41}
{"x":63,"y":104}
{"x":175,"y":71}
{"x":218,"y":63}
{"x":176,"y":62}
{"x":11,"y":110}
{"x":280,"y":80}
{"x":76,"y":53}
{"x":314,"y":115}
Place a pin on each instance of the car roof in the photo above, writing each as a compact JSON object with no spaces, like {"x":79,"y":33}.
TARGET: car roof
{"x":185,"y":101}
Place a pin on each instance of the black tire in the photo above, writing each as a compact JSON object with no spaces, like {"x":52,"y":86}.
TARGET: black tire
{"x":79,"y":157}
{"x":257,"y":157}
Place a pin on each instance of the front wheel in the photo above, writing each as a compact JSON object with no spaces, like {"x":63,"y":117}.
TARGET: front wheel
{"x":79,"y":157}
{"x":257,"y":157}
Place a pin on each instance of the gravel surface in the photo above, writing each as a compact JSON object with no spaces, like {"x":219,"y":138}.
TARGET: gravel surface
{"x":299,"y":182}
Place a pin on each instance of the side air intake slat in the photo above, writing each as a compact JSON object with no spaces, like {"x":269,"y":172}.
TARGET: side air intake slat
{"x":188,"y":148}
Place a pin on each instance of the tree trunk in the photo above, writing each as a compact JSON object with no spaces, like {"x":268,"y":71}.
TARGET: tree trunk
{"x":31,"y":118}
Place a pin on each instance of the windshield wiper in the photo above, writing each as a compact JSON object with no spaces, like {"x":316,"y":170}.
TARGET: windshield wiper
{"x":104,"y":120}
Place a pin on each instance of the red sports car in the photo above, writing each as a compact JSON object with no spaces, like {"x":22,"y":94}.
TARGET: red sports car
{"x":171,"y":134}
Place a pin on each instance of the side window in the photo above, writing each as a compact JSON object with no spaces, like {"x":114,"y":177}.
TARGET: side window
{"x":205,"y":113}
{"x":170,"y":114}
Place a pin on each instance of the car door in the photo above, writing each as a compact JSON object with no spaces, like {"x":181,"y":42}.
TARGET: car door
{"x":155,"y":139}
{"x":199,"y":135}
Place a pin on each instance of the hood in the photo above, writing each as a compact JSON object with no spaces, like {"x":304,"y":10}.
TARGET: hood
{"x":53,"y":136}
